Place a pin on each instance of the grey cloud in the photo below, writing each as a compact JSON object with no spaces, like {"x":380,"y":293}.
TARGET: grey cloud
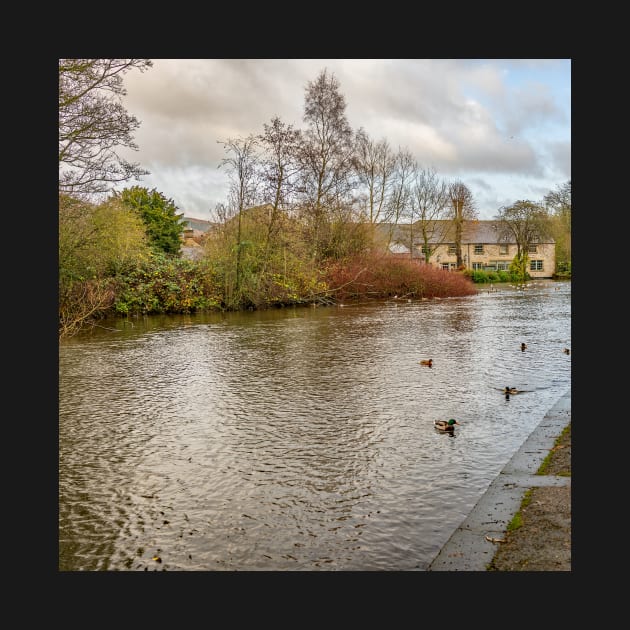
{"x":455,"y":115}
{"x":561,"y":159}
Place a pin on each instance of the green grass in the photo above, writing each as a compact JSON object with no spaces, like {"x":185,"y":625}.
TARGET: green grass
{"x":542,"y":470}
{"x":517,"y":519}
{"x":515,"y":523}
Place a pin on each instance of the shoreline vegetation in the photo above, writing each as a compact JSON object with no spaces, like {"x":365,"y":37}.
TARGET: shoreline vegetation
{"x":166,"y":285}
{"x":169,"y":285}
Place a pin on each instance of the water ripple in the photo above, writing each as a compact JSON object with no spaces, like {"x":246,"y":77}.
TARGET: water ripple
{"x":298,"y":439}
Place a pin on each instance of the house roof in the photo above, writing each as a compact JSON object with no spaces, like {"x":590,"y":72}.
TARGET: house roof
{"x":197,"y":224}
{"x":475,"y":231}
{"x":398,"y":248}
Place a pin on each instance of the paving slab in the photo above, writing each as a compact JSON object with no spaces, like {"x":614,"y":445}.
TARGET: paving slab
{"x":468,"y":549}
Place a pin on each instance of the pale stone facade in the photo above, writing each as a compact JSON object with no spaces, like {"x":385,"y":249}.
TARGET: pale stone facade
{"x":495,"y":256}
{"x":482,"y":248}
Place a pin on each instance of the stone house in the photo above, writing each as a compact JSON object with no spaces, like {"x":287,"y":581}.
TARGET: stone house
{"x":193,"y":236}
{"x":195,"y":228}
{"x":483,"y":247}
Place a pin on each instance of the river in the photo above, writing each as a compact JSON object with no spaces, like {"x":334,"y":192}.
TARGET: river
{"x":298,"y":439}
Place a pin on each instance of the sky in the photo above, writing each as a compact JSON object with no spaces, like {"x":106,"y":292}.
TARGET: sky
{"x":500,"y":126}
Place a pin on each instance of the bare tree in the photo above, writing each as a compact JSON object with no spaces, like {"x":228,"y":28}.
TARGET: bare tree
{"x":222,"y":213}
{"x":241,"y":165}
{"x":375,"y":166}
{"x":429,"y":202}
{"x":462,"y":208}
{"x":278,"y":169}
{"x":325,"y":157}
{"x":559,"y":200}
{"x":398,"y":206}
{"x":526,"y":223}
{"x":93,"y":123}
{"x":81,"y":303}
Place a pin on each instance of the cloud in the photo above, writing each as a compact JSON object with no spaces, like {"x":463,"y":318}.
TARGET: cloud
{"x":504,"y":124}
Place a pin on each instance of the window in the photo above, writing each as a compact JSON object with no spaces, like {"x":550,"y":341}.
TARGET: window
{"x":445,"y":266}
{"x":536,"y":265}
{"x":532,"y":249}
{"x":479,"y":249}
{"x":426,"y":250}
{"x":451,"y":249}
{"x":497,"y":265}
{"x":503,"y":249}
{"x":477,"y":266}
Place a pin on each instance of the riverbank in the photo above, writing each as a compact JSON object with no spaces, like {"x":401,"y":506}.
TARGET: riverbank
{"x":543,"y":540}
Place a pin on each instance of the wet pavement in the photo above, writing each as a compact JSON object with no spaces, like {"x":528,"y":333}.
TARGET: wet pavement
{"x":468,"y":549}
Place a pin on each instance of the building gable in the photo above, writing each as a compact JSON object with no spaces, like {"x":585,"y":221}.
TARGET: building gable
{"x":200,"y":225}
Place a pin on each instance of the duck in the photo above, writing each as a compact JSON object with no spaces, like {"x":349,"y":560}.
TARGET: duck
{"x":446,"y":425}
{"x":510,"y":390}
{"x":428,"y":362}
{"x":523,"y":347}
{"x":567,"y":351}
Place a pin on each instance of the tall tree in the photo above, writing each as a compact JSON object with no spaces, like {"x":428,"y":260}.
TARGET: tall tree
{"x":375,"y":166}
{"x":242,"y":168}
{"x":462,"y":208}
{"x":278,"y":169}
{"x":163,"y":223}
{"x":398,"y":206}
{"x":526,"y":223}
{"x":93,"y":123}
{"x":325,"y":157}
{"x":558,"y":202}
{"x":429,"y":202}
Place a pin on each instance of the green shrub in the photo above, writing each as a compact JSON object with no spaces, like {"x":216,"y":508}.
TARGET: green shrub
{"x":167,"y":285}
{"x":479,"y":276}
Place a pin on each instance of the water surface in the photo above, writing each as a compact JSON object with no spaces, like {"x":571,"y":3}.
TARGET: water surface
{"x":298,"y":439}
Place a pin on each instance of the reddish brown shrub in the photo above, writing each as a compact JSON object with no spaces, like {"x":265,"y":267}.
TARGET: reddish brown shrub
{"x":382,"y":276}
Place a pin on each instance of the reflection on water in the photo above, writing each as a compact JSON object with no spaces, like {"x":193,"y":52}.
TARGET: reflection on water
{"x":298,"y":439}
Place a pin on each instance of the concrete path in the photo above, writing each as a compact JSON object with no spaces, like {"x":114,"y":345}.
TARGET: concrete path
{"x":467,"y":549}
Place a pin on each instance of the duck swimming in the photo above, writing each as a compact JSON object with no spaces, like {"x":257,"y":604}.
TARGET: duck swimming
{"x":566,"y":351}
{"x":428,"y":362}
{"x":446,"y":425}
{"x":510,"y":390}
{"x":523,"y":347}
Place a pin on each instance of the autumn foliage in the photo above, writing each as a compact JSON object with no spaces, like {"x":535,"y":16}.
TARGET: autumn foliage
{"x":378,"y":276}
